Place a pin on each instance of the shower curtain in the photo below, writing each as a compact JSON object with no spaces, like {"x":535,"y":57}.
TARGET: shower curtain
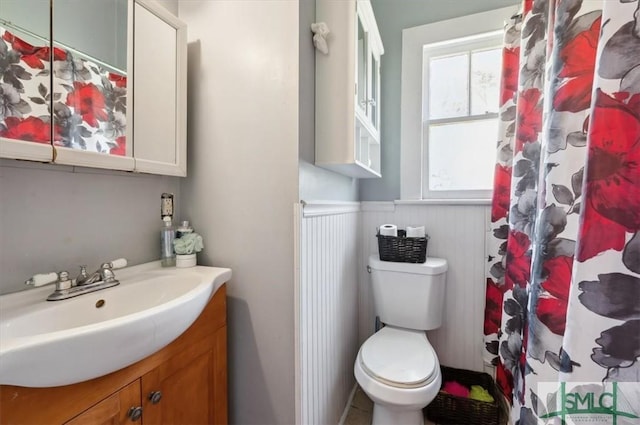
{"x":562,"y":313}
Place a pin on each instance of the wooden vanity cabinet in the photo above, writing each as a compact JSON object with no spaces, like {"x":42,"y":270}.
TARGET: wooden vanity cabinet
{"x":113,"y":410}
{"x":184,"y":383}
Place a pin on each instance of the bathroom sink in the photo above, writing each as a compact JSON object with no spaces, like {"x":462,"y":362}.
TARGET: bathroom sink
{"x":48,"y":344}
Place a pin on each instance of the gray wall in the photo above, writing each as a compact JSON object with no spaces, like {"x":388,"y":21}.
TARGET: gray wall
{"x":55,"y":217}
{"x":243,"y":184}
{"x":393,"y":16}
{"x":315,"y":183}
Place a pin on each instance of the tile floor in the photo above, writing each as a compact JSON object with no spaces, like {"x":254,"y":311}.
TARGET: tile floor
{"x":361,"y":410}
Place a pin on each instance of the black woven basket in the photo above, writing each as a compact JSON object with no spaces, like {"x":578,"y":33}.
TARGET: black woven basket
{"x":402,"y":249}
{"x":451,"y":409}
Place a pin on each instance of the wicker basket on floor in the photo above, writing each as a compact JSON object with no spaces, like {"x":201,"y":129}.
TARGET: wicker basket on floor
{"x":450,"y":409}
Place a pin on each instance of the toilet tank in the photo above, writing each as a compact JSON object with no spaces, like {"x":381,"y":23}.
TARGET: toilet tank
{"x":409,"y":295}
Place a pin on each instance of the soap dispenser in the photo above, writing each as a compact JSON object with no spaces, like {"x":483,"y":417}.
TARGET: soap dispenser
{"x":183,"y":229}
{"x":168,"y":231}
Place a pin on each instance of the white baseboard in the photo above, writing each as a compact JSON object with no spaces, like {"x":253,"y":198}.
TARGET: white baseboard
{"x":343,"y":418}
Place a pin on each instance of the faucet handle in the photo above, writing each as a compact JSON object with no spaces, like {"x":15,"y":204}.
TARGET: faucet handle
{"x":63,"y":281}
{"x":42,"y":279}
{"x":117,"y":263}
{"x":107,"y":269}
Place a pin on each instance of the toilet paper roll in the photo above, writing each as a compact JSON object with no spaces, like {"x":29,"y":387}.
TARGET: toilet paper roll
{"x":415,"y":232}
{"x":389,"y":230}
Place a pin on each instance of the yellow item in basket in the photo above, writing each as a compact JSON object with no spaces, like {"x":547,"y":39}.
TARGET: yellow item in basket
{"x":479,"y":393}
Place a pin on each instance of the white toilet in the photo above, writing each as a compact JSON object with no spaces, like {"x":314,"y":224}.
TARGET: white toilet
{"x":397,"y":367}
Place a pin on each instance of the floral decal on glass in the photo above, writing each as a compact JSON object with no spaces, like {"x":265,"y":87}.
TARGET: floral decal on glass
{"x":24,"y":89}
{"x":89,"y":102}
{"x":91,"y":114}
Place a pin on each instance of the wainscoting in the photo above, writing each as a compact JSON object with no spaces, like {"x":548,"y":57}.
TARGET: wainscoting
{"x":457,"y":234}
{"x":334,"y":311}
{"x":327,"y":313}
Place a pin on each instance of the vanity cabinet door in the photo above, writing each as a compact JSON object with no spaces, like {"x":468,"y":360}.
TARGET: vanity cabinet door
{"x":187,"y":391}
{"x":114,"y":410}
{"x":176,"y":393}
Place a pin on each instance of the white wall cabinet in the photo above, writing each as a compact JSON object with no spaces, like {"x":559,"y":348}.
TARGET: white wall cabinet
{"x":348,"y":90}
{"x":156,"y":99}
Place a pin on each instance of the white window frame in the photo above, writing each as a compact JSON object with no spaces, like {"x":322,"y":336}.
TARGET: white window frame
{"x":413,"y":148}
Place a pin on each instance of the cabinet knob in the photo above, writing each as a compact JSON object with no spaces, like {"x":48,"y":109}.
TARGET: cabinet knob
{"x":155,"y":397}
{"x":135,"y":413}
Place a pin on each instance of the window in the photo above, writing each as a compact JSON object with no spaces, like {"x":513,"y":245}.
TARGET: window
{"x":460,"y":116}
{"x":450,"y":94}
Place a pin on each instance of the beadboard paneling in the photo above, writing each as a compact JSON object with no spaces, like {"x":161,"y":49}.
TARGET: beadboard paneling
{"x":327,"y":313}
{"x":458,"y":235}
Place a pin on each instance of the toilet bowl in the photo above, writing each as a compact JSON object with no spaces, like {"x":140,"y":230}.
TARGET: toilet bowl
{"x":399,"y":371}
{"x":397,"y":367}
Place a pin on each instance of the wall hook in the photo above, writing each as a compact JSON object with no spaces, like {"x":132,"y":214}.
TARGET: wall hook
{"x":320,"y":31}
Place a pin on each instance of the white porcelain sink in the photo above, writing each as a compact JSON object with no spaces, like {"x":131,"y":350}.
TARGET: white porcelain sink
{"x":53,"y":343}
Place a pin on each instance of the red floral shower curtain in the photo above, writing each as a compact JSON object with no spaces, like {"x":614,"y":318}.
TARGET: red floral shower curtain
{"x":563,"y":278}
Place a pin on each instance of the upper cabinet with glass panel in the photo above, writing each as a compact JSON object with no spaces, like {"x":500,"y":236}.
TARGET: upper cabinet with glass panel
{"x":348,"y":122}
{"x":25,"y":68}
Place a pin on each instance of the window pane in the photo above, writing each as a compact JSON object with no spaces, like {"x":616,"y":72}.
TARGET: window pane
{"x":448,"y":86}
{"x":462,"y":155}
{"x":485,"y":79}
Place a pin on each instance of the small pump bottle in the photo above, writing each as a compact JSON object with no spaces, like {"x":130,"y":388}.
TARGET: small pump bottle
{"x":184,"y":229}
{"x":168,"y":232}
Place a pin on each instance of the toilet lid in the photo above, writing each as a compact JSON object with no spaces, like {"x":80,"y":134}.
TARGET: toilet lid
{"x":399,"y":358}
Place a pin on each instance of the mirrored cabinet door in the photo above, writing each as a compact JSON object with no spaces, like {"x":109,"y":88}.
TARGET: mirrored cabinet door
{"x":160,"y":66}
{"x":91,"y":84}
{"x":25,"y":89}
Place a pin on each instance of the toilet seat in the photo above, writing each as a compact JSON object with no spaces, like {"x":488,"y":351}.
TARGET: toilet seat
{"x":399,"y":358}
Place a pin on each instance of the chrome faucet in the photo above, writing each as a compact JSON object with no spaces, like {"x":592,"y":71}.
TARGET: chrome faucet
{"x":67,"y":288}
{"x":104,"y":274}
